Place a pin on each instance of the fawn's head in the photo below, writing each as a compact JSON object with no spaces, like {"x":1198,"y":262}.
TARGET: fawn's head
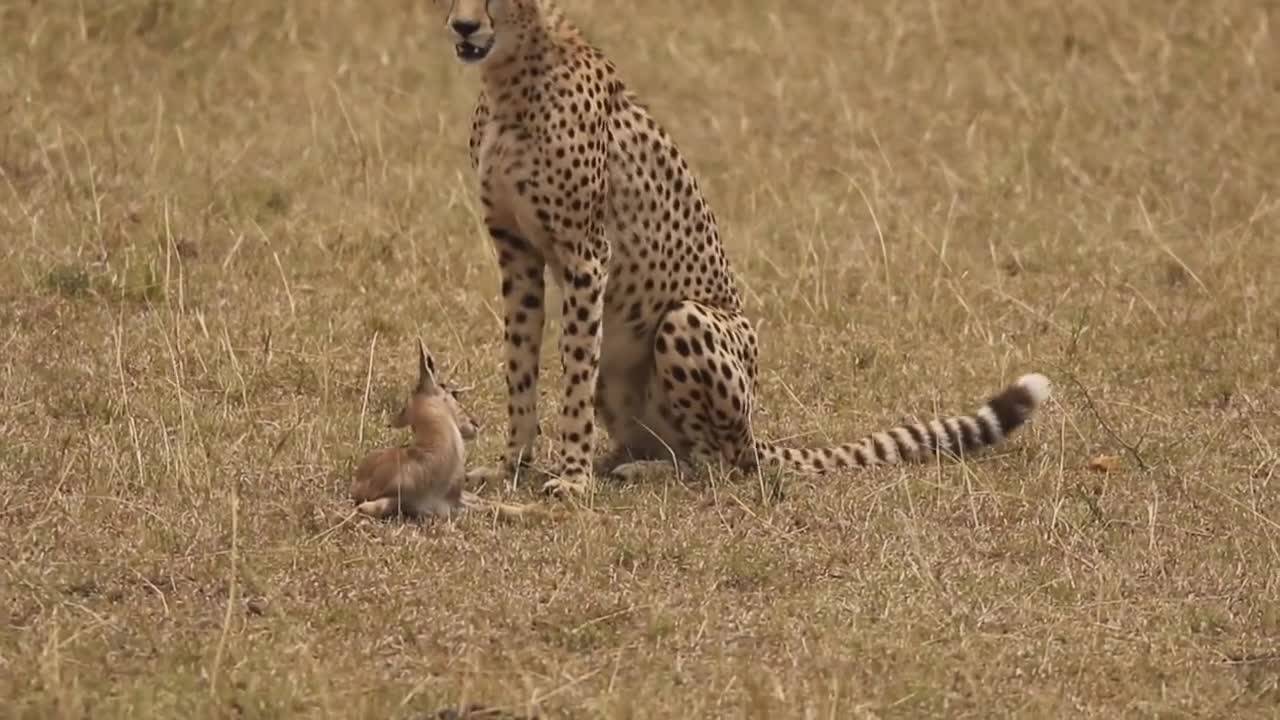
{"x":431,"y":397}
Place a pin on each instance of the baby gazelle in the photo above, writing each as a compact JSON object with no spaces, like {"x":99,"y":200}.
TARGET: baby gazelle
{"x":426,"y":477}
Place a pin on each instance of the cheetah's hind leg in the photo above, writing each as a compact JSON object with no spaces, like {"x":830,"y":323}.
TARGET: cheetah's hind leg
{"x":705,"y":362}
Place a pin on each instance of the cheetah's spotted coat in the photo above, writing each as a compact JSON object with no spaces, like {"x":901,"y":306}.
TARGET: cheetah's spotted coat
{"x":577,"y":178}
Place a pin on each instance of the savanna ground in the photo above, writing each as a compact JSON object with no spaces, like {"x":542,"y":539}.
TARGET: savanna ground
{"x":225,"y":223}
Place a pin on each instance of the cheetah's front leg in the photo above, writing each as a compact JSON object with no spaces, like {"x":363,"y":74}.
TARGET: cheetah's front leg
{"x":523,"y":292}
{"x":582,"y":317}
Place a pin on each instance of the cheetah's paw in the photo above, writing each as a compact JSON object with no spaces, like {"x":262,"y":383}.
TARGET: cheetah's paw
{"x":568,"y":485}
{"x":504,"y":475}
{"x":487,"y":475}
{"x":641,"y":470}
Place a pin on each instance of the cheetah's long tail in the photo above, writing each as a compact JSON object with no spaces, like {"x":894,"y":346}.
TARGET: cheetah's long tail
{"x":1003,"y":413}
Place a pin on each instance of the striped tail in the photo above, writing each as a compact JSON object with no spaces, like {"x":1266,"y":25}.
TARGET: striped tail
{"x":1005,"y":412}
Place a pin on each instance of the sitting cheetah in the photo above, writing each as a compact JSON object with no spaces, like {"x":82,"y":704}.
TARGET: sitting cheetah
{"x":577,"y":178}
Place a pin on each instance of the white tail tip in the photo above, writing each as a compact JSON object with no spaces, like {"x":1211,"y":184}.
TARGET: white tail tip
{"x":1036,"y":384}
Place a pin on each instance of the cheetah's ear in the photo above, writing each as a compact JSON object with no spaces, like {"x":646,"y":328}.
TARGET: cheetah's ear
{"x":426,"y":369}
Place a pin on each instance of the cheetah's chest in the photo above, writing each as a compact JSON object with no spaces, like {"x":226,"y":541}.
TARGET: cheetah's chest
{"x":509,"y":185}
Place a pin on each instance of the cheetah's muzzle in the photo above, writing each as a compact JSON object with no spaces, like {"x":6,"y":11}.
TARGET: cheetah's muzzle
{"x":471,"y":53}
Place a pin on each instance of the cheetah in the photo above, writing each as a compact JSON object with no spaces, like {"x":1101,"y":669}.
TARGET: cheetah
{"x":578,"y":182}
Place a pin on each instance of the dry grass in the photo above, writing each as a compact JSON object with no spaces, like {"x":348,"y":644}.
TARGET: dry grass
{"x":213,"y":214}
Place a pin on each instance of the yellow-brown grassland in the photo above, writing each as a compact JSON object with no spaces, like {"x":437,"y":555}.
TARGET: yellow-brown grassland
{"x":224,"y":224}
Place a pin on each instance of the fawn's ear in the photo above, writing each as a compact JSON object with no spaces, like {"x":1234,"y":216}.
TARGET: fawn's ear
{"x":426,"y":369}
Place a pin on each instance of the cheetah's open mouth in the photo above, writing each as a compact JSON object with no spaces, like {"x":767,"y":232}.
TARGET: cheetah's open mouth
{"x":469,"y":52}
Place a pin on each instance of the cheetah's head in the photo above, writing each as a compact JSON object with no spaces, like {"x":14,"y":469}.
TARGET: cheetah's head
{"x":472,"y":26}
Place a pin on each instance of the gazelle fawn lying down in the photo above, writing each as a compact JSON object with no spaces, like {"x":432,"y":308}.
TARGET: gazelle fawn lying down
{"x":427,"y":476}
